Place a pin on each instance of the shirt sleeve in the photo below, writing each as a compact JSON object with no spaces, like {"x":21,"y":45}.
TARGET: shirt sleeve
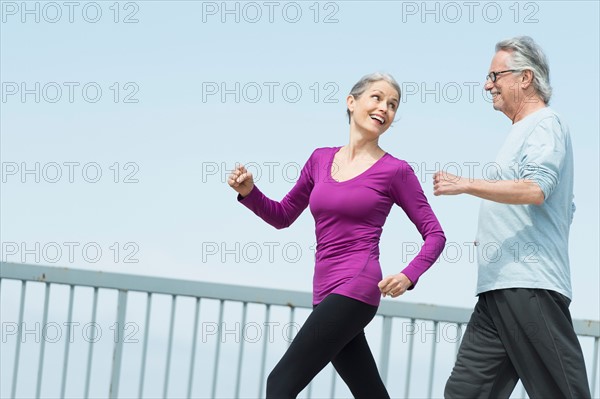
{"x":406,"y":192}
{"x":283,"y":213}
{"x":543,"y":155}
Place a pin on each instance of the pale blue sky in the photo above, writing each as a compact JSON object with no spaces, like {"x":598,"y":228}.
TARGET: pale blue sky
{"x":179,"y":138}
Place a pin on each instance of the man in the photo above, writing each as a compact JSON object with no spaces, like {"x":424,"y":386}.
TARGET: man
{"x":521,"y":327}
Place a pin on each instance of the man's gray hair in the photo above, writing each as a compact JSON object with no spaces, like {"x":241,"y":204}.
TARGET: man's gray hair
{"x":527,"y":54}
{"x":359,"y":88}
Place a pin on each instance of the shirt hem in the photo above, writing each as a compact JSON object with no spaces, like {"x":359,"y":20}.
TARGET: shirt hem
{"x":349,"y":295}
{"x":481,"y":290}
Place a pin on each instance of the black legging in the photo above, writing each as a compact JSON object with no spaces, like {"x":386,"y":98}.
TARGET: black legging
{"x":334,"y":332}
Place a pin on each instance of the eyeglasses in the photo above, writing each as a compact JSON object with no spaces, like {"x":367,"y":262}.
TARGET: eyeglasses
{"x":494,"y":75}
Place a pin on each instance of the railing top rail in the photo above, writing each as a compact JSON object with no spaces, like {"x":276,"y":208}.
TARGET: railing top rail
{"x":231,"y":292}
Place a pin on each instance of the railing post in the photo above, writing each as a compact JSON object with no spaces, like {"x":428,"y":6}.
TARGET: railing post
{"x":386,"y":337}
{"x":13,"y":391}
{"x":91,"y":345}
{"x":193,"y":356}
{"x":432,"y":361}
{"x":411,"y":341}
{"x":118,"y":351}
{"x":43,"y":341}
{"x":170,"y":345}
{"x":145,"y":347}
{"x":264,"y":352}
{"x":594,"y":367}
{"x":217,"y":350}
{"x":241,"y":353}
{"x":67,"y":342}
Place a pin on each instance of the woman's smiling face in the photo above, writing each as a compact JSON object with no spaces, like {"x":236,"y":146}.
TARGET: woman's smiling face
{"x":374,"y":110}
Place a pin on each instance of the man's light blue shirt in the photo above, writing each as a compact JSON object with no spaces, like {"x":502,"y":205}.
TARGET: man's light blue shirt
{"x":526,"y":246}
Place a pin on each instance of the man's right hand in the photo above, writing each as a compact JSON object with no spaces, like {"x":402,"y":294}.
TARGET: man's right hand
{"x":448,"y":184}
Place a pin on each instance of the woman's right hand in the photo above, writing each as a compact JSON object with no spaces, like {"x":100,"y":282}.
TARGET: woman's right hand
{"x":241,"y":180}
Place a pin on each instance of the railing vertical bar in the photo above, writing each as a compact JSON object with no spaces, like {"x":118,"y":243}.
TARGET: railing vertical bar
{"x":309,"y":391}
{"x":169,"y":346}
{"x":18,"y":348}
{"x":411,"y":341}
{"x":67,"y":341}
{"x":595,"y":367}
{"x":38,"y":388}
{"x":91,"y":344}
{"x":238,"y":377}
{"x":386,"y":337}
{"x":217,"y":351}
{"x":263,"y":361}
{"x":289,"y":331}
{"x":194,"y":339}
{"x":458,"y":338}
{"x":145,"y":347}
{"x":333,"y":378}
{"x":290,"y":338}
{"x":118,"y":350}
{"x":432,"y":363}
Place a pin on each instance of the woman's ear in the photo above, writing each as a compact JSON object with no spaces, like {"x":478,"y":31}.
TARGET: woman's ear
{"x":350,"y":103}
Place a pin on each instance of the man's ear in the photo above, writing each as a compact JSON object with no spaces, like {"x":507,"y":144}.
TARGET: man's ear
{"x":526,"y":78}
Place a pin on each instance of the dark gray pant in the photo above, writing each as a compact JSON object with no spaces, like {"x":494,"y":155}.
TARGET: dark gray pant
{"x":519,"y":333}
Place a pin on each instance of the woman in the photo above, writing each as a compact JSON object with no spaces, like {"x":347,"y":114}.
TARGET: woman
{"x":350,"y":190}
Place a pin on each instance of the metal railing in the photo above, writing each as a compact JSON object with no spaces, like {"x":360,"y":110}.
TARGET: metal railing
{"x":232,"y":343}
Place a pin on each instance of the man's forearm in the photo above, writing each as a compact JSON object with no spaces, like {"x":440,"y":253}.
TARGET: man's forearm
{"x":521,"y":192}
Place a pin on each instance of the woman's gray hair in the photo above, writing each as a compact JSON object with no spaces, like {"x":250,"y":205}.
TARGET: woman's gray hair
{"x":527,"y":54}
{"x":359,"y":88}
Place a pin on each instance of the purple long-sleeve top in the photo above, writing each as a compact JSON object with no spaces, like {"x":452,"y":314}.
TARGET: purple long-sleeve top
{"x":349,"y":218}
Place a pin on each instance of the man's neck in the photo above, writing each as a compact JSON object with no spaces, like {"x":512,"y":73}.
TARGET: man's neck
{"x":527,"y":107}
